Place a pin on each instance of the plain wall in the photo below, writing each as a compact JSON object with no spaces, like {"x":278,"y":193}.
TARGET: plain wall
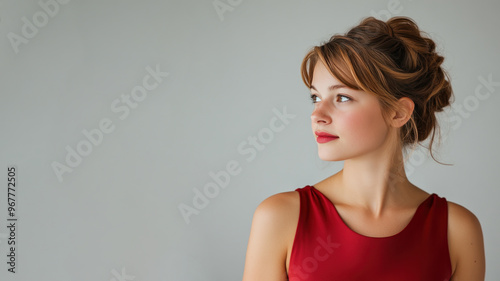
{"x":230,"y":76}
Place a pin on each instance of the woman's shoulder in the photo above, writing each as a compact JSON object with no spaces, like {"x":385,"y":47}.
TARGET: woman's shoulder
{"x":465,"y":240}
{"x":272,"y":232}
{"x":280,"y":205}
{"x":461,"y":221}
{"x":279,"y":214}
{"x":460,"y":214}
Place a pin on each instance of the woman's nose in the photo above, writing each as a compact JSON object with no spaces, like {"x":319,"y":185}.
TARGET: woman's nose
{"x":321,"y":114}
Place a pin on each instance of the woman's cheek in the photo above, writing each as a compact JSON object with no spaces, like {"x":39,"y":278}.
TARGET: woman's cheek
{"x":364,"y":127}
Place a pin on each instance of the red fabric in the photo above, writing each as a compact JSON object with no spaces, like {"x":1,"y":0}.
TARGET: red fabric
{"x":326,"y":249}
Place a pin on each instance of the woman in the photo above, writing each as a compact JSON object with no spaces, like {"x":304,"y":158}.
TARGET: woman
{"x":375,"y":92}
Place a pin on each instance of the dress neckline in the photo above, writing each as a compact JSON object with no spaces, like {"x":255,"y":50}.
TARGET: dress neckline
{"x":415,"y":216}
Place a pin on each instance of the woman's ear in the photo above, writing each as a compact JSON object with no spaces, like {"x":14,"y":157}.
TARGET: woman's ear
{"x":403,"y":113}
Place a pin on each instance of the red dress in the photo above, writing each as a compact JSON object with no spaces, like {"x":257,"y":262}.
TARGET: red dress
{"x":326,"y":249}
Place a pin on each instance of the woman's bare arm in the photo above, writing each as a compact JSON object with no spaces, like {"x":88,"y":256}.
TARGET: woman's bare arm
{"x":273,"y":226}
{"x":465,"y":239}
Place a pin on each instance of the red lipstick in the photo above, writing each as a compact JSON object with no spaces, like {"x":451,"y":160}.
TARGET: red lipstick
{"x":325,"y":137}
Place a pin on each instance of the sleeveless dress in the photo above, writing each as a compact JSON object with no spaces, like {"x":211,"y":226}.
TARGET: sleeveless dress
{"x":326,"y":249}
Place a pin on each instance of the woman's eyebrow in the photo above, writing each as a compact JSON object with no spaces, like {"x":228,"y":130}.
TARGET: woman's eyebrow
{"x":332,"y":87}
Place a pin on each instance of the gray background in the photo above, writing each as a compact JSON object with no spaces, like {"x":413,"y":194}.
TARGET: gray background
{"x":118,"y":210}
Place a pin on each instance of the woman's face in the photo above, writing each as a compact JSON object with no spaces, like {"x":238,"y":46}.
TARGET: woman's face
{"x":354,"y":116}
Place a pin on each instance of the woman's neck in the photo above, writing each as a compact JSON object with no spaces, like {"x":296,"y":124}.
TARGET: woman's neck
{"x":374,"y":182}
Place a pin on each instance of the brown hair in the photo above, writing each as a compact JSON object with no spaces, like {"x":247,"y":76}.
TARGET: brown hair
{"x":390,"y":59}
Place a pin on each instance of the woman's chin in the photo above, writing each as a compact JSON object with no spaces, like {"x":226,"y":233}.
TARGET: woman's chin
{"x":330,"y":157}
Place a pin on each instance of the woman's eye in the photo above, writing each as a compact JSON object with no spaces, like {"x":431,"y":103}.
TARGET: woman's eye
{"x":315,"y":99}
{"x":342,"y":98}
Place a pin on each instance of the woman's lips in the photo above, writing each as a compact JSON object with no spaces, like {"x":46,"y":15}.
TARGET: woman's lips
{"x":325,"y":137}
